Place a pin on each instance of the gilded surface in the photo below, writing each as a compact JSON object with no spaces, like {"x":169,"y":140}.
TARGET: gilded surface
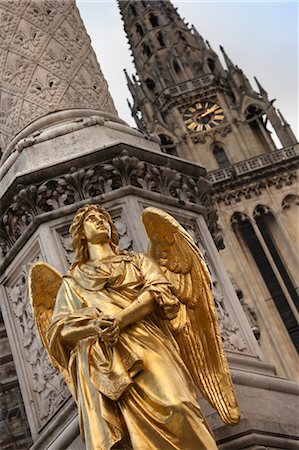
{"x":135,"y":335}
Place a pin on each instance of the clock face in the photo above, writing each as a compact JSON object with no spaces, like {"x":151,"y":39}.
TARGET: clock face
{"x":203,"y":116}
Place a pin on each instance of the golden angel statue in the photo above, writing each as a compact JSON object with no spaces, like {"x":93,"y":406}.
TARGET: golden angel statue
{"x":135,"y":336}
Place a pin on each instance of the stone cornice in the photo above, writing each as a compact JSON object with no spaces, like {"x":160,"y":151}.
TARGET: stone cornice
{"x":37,"y":197}
{"x":250,"y":177}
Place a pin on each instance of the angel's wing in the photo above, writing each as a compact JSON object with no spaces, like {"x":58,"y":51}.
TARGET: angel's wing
{"x":196,"y":328}
{"x":44,"y":283}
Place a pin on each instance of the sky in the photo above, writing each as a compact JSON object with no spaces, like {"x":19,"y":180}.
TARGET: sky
{"x":261,"y":37}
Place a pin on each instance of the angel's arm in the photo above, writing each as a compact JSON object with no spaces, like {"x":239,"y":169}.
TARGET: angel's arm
{"x":160,"y":287}
{"x":136,"y":311}
{"x":156,"y":292}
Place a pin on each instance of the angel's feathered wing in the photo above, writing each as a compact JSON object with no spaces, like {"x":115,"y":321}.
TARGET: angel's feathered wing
{"x":44,"y":283}
{"x":196,"y":328}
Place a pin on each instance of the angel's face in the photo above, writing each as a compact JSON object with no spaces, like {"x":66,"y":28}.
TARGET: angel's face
{"x":96,"y":228}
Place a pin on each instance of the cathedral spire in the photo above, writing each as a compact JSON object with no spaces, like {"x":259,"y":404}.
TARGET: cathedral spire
{"x":167,"y":54}
{"x":263,"y":92}
{"x":229,"y":64}
{"x":185,"y":95}
{"x":48,"y":65}
{"x":287,"y":128}
{"x":130,"y":83}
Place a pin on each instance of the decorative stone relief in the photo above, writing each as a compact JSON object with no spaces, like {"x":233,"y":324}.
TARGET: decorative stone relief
{"x":229,"y":196}
{"x":249,"y":311}
{"x":82,"y":184}
{"x":252,"y":318}
{"x":230,"y":332}
{"x":47,"y":384}
{"x":125,"y":240}
{"x":47,"y":62}
{"x":66,"y":243}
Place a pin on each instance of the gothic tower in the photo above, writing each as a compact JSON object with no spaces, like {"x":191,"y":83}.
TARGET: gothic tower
{"x":209,"y":113}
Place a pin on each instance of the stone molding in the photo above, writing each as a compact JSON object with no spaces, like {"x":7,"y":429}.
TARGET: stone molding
{"x":248,"y":179}
{"x":62,"y":122}
{"x":30,"y":205}
{"x":249,"y":166}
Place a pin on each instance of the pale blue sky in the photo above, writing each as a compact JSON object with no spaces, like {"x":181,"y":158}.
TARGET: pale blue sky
{"x":260,"y":37}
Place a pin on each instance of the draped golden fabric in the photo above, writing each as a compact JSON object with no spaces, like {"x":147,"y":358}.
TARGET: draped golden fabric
{"x":140,"y":387}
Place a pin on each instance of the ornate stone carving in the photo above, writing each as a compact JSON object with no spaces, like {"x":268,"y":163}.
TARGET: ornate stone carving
{"x":230,"y":332}
{"x":46,"y":382}
{"x":252,"y":318}
{"x":47,"y":64}
{"x":229,"y":195}
{"x":249,"y":311}
{"x":81,"y":184}
{"x":66,"y":242}
{"x":125,"y":240}
{"x":125,"y":170}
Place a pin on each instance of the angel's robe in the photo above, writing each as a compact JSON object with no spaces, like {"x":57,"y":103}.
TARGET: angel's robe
{"x":137,"y":394}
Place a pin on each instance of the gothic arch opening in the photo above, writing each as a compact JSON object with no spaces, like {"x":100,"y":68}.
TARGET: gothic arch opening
{"x":290,"y":201}
{"x":161,"y":40}
{"x":260,"y":247}
{"x":220,"y":155}
{"x":176,"y":67}
{"x":232,"y":97}
{"x":139,"y":30}
{"x":277,"y":246}
{"x":150,"y":84}
{"x":154,"y":20}
{"x":211,"y":64}
{"x":133,"y":11}
{"x":146,"y":50}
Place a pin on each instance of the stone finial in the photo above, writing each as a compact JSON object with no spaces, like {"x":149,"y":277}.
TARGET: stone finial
{"x":47,"y":64}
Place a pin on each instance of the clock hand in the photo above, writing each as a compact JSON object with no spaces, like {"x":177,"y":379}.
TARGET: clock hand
{"x":208,"y":111}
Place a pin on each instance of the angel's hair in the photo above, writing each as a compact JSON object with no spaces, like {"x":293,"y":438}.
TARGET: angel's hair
{"x":77,"y":233}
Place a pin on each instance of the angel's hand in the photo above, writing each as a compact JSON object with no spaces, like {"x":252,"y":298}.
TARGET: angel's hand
{"x":108,"y":329}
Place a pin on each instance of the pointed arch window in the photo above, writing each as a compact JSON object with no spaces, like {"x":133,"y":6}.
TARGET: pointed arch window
{"x":146,"y":50}
{"x":267,"y":225}
{"x":272,"y":271}
{"x":150,"y":84}
{"x":154,"y":20}
{"x":211,"y":64}
{"x":133,"y":11}
{"x":161,"y":40}
{"x":139,"y":30}
{"x":176,"y":67}
{"x":220,"y":156}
